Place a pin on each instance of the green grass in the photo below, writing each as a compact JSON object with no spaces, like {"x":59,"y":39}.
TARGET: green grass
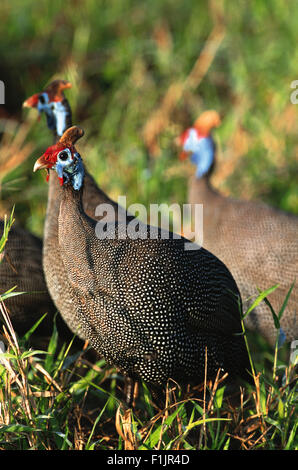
{"x":123,"y":59}
{"x":60,"y":399}
{"x":63,"y":399}
{"x":8,"y":222}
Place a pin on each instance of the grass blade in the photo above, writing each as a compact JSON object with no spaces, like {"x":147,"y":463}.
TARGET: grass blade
{"x":262,"y":295}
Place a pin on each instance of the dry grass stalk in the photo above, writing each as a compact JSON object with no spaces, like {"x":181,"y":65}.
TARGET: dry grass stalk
{"x":203,"y":428}
{"x":124,"y":427}
{"x":14,"y":151}
{"x":47,"y":376}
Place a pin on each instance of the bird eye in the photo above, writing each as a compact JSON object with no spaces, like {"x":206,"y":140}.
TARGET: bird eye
{"x":63,"y":155}
{"x":43,"y":98}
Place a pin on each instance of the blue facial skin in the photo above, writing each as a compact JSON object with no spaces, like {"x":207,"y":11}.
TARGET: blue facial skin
{"x":78,"y":175}
{"x":202,"y":152}
{"x":70,"y":169}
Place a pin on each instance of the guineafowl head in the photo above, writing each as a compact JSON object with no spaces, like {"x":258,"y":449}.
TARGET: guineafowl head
{"x":198,"y":144}
{"x":53,"y":103}
{"x":64,"y":159}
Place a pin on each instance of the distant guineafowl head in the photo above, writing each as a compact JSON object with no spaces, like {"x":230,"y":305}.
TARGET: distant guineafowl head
{"x":197,"y":142}
{"x":53,"y":103}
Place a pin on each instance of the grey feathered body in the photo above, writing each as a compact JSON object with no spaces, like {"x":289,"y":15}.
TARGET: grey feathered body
{"x":259,"y":245}
{"x":148,"y":306}
{"x":55,"y":274}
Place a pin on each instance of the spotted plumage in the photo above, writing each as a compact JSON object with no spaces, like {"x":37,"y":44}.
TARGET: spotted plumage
{"x":93,"y":197}
{"x":150,"y":307}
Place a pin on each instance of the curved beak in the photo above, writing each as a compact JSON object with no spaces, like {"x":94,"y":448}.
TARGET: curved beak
{"x":31,"y":102}
{"x":67,"y":85}
{"x":40,"y":164}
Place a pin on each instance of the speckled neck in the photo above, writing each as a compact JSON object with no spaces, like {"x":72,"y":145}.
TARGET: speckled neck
{"x":55,"y":190}
{"x":74,"y":196}
{"x":201,"y":190}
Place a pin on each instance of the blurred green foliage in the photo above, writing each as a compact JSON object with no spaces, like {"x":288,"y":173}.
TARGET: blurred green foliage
{"x":121,"y":58}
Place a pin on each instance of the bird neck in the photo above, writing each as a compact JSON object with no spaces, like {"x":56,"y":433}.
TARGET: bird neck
{"x":62,"y":119}
{"x":53,"y":208}
{"x":72,"y":217}
{"x":72,"y":192}
{"x":61,"y":199}
{"x":74,"y":196}
{"x":68,"y":117}
{"x":55,"y":191}
{"x":201,"y":190}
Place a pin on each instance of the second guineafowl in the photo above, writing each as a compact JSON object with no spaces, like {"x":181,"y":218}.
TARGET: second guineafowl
{"x":150,"y":307}
{"x":258,"y":243}
{"x":54,"y":104}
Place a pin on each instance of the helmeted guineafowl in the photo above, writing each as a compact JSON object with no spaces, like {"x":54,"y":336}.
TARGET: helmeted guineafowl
{"x":149,"y":306}
{"x":53,"y":103}
{"x":259,"y":244}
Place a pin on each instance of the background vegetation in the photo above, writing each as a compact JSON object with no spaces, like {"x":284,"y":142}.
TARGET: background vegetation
{"x":141,"y":73}
{"x":123,"y":58}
